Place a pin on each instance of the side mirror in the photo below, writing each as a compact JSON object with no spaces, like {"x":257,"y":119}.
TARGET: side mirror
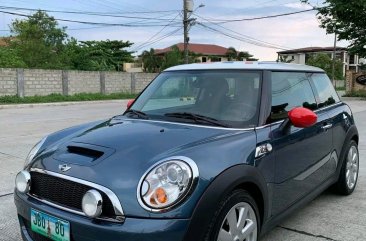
{"x":301,"y":117}
{"x":129,"y":103}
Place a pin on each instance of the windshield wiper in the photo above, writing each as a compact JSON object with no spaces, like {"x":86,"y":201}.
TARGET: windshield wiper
{"x":197,"y":118}
{"x":137,"y":113}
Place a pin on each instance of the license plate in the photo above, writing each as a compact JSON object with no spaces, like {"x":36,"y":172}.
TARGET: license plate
{"x":49,"y":226}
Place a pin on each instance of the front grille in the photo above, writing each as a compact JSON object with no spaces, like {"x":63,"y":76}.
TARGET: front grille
{"x":65,"y":193}
{"x":35,"y":236}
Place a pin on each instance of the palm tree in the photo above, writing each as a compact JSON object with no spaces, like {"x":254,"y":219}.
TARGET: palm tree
{"x":151,"y":62}
{"x":244,"y":55}
{"x":231,"y":53}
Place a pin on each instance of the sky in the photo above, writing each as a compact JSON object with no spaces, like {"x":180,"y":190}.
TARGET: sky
{"x":288,"y":32}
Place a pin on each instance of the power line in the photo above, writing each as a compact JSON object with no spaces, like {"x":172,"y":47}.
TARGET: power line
{"x":108,"y":14}
{"x":240,"y":38}
{"x":161,"y":38}
{"x":150,"y":24}
{"x":142,"y":45}
{"x":242,"y":35}
{"x":221,"y":21}
{"x":85,"y":13}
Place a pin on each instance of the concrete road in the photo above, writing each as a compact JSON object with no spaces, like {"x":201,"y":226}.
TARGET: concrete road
{"x":329,"y":217}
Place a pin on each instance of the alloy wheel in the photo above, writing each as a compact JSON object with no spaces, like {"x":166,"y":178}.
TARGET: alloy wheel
{"x":352,"y":167}
{"x":240,"y":224}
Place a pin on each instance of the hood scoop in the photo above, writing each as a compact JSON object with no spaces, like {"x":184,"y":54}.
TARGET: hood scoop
{"x":82,"y":153}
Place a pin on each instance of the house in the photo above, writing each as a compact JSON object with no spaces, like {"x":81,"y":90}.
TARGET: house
{"x":300,"y":56}
{"x":204,"y":52}
{"x":134,"y":67}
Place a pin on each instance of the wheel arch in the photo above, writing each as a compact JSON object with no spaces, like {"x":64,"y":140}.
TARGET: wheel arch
{"x":352,"y":134}
{"x":253,"y":189}
{"x":241,"y":176}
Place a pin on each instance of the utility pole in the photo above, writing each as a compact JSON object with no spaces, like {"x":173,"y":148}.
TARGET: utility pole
{"x":334,"y":60}
{"x":185,"y":24}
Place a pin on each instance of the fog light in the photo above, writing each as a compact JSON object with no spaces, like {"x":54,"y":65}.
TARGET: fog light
{"x":92,"y":204}
{"x":22,"y":181}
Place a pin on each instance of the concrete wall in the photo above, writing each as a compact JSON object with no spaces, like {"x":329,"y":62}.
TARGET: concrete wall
{"x":83,"y":82}
{"x":8,"y":82}
{"x":31,"y":82}
{"x":141,"y":81}
{"x":42,"y":82}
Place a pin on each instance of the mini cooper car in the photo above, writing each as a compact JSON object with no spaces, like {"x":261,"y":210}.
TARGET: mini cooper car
{"x":211,"y":152}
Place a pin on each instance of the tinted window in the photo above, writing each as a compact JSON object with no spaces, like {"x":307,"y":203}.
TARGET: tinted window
{"x":231,"y":97}
{"x":324,"y":88}
{"x":290,"y":90}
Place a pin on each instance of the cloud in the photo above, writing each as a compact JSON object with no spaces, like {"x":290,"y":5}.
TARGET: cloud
{"x":295,"y":31}
{"x":299,"y":5}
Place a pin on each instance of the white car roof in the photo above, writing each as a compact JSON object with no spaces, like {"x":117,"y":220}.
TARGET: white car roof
{"x":246,"y":65}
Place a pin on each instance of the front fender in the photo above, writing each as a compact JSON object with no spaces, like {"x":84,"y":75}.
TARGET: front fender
{"x":239,"y":176}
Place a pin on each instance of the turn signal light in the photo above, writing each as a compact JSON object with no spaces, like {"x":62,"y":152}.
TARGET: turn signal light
{"x":160,"y":196}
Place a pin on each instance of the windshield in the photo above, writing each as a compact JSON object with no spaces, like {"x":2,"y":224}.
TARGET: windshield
{"x":226,"y":98}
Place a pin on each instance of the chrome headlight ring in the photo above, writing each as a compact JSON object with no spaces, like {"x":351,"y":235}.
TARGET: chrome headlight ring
{"x":166,"y":184}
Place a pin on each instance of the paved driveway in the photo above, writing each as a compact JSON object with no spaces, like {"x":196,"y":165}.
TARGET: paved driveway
{"x":329,"y":217}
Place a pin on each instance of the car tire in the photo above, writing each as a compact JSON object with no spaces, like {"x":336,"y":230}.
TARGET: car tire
{"x":237,"y":218}
{"x":348,"y":176}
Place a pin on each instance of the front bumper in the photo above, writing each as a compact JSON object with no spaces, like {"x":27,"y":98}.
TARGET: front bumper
{"x":86,"y":229}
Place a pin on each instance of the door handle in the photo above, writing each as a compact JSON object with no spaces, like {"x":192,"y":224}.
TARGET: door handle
{"x":327,"y":126}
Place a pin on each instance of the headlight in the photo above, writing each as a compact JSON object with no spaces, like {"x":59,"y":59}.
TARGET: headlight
{"x":34,"y":151}
{"x":22,"y":181}
{"x":167,"y":184}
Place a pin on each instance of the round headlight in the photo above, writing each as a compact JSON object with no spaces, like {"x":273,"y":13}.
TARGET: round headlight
{"x":167,"y":184}
{"x":22,"y":181}
{"x":92,"y":204}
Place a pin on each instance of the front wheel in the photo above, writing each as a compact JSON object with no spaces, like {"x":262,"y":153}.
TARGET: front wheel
{"x":236,"y":219}
{"x":349,"y":172}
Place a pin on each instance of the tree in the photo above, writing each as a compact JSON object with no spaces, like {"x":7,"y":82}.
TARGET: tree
{"x":172,"y":58}
{"x":104,"y":55}
{"x":347,"y":19}
{"x":9,"y":58}
{"x":244,"y":55}
{"x":284,"y":59}
{"x":324,"y":61}
{"x":231,"y":54}
{"x":39,"y":40}
{"x":151,"y":62}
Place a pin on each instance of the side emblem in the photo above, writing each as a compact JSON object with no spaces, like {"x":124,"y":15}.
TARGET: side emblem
{"x":64,"y":167}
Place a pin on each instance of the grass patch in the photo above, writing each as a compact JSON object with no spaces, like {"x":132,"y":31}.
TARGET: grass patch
{"x":340,"y":88}
{"x":360,"y":94}
{"x":61,"y":98}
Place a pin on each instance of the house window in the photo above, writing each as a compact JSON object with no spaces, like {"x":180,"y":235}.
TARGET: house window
{"x":204,"y":59}
{"x":352,"y":59}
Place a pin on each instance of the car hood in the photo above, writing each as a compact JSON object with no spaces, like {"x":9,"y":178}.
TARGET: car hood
{"x":134,"y":141}
{"x":117,"y":153}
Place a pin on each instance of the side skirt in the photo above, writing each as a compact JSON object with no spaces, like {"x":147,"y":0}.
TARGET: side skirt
{"x":271,"y":223}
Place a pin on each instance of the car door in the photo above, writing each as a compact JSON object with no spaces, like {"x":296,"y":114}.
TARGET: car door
{"x":302,"y":155}
{"x":338,"y":112}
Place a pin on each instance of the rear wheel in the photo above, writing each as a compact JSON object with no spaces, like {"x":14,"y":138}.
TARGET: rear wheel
{"x":349,"y":172}
{"x":236,"y":219}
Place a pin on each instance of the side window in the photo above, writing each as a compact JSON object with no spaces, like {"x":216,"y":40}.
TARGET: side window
{"x":324,"y":89}
{"x":290,"y":90}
